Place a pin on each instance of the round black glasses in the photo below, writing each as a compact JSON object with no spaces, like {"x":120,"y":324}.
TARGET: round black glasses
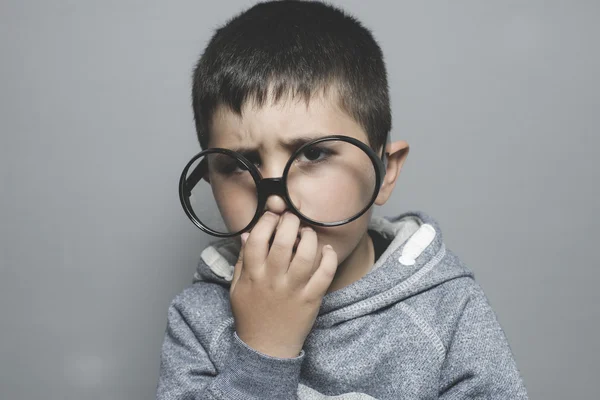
{"x":329,"y":181}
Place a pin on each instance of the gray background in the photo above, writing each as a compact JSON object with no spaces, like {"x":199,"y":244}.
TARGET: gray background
{"x":498,"y":99}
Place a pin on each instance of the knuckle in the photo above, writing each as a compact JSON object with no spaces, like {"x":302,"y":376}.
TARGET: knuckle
{"x":328,"y":273}
{"x":304,"y":259}
{"x":278,"y":246}
{"x":312,"y":298}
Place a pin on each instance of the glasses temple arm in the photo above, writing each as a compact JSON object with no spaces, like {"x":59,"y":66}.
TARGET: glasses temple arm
{"x":196,"y":176}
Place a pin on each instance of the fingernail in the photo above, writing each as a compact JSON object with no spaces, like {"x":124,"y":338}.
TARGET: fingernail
{"x":328,"y":247}
{"x":245,"y":237}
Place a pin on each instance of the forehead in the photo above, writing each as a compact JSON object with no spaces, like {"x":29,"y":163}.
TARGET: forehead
{"x":273,"y":124}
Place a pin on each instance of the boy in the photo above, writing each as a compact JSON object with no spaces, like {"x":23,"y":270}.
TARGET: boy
{"x":318,"y":299}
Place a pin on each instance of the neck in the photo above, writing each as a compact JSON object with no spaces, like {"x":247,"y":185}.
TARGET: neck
{"x":356,"y":265}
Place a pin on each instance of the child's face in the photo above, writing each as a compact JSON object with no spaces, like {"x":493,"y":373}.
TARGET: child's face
{"x":265,"y":129}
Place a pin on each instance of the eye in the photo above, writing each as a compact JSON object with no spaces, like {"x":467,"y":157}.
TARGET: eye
{"x":239,"y":167}
{"x":254,"y":159}
{"x":314,"y":154}
{"x":228,"y":165}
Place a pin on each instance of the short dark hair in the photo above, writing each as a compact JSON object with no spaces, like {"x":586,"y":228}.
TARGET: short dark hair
{"x":296,"y":48}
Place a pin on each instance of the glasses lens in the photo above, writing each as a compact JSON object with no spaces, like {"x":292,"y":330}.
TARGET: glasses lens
{"x":222,"y":193}
{"x":331,"y":181}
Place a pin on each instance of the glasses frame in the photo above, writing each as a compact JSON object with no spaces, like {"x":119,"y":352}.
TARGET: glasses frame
{"x":266,"y":187}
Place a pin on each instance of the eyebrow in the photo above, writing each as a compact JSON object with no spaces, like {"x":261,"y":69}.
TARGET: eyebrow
{"x":290,"y":145}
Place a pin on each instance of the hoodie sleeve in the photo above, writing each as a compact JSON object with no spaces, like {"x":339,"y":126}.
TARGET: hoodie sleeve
{"x":186,"y":371}
{"x":479,"y":363}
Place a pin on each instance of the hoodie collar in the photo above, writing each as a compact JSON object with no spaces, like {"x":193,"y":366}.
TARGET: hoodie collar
{"x":415,"y":260}
{"x":217,"y":260}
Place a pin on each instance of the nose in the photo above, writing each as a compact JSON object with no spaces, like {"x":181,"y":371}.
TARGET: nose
{"x":271,"y":193}
{"x":272,"y":187}
{"x":276,"y":204}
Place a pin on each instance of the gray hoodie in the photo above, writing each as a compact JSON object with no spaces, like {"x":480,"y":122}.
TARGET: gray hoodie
{"x":417,"y":326}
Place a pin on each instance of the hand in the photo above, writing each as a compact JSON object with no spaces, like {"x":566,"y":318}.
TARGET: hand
{"x":276,"y":295}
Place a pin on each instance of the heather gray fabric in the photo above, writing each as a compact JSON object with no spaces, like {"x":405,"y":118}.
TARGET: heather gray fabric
{"x":417,"y":326}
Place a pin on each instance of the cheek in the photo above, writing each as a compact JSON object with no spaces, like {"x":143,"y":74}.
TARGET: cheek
{"x":332,"y":192}
{"x":344,"y":238}
{"x":330,"y":200}
{"x":236,"y":204}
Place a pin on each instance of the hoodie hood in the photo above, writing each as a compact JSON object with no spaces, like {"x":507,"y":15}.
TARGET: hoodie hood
{"x":415,"y":326}
{"x":415,"y":261}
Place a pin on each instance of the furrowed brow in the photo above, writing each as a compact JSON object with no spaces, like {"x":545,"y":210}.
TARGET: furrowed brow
{"x":248,"y":152}
{"x":290,"y":144}
{"x":295,"y":143}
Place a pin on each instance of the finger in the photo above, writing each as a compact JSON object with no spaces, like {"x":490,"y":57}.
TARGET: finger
{"x":280,"y":252}
{"x":303,"y":264}
{"x":323,"y":276}
{"x":257,"y":245}
{"x":239,"y":265}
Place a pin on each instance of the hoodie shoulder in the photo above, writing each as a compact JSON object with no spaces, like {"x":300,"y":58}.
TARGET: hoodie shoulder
{"x":203,"y":306}
{"x":442,"y":306}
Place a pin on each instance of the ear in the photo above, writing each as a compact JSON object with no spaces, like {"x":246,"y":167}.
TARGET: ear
{"x":396,"y":155}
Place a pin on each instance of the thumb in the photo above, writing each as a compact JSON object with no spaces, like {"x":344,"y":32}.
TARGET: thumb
{"x":237,"y":271}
